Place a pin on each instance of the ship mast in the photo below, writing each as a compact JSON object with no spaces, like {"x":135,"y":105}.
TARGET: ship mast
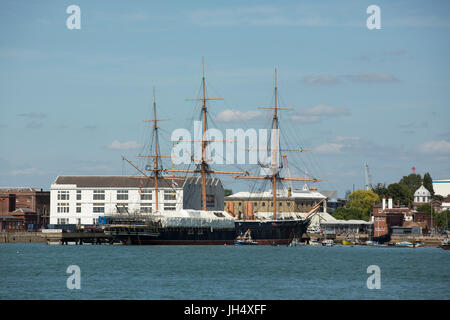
{"x":275,"y":176}
{"x":204,"y":169}
{"x":156,"y":168}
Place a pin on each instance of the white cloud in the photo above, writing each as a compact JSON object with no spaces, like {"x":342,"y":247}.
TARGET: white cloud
{"x":231,"y":115}
{"x":117,"y":145}
{"x":325,"y":110}
{"x":305,"y":119}
{"x":329,"y":148}
{"x":324,"y":79}
{"x":435,"y":147}
{"x":318,"y":112}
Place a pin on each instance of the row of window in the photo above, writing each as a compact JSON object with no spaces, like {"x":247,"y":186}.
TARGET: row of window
{"x":145,"y":194}
{"x":122,"y":208}
{"x":380,"y":229}
{"x":380,"y":219}
{"x":263,"y":204}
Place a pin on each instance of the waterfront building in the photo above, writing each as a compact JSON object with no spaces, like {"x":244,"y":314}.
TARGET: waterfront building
{"x":30,"y":207}
{"x":442,"y":187}
{"x":249,"y":205}
{"x":343,"y":227}
{"x":81,"y":200}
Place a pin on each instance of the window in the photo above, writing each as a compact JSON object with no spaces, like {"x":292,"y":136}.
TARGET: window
{"x":78,"y":194}
{"x":62,"y":208}
{"x":210,"y":200}
{"x":122,"y":208}
{"x":122,"y":194}
{"x":146,"y":194}
{"x":288,"y":204}
{"x":78,"y":221}
{"x":255,"y":203}
{"x":146,"y":208}
{"x":78,"y":207}
{"x":171,"y":195}
{"x":99,"y":208}
{"x":62,"y":221}
{"x":63,"y":195}
{"x":95,"y":221}
{"x":170,"y":206}
{"x":99,"y":194}
{"x":263,"y":204}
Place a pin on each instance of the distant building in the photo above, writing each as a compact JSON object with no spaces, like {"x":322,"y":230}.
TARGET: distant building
{"x":244,"y":205}
{"x":29,"y":206}
{"x":442,"y":187}
{"x":386,"y":216}
{"x":421,"y":196}
{"x":80,"y":200}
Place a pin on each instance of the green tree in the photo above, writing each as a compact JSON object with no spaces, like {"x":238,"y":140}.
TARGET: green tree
{"x":362,"y":200}
{"x":400,"y":192}
{"x":228,"y":192}
{"x":349,"y":214}
{"x":425,"y":208}
{"x":412,"y":181}
{"x":428,"y":183}
{"x":440,"y":219}
{"x":381,"y":190}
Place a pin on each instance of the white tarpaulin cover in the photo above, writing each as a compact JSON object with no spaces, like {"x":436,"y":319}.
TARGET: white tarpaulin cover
{"x":196,"y":218}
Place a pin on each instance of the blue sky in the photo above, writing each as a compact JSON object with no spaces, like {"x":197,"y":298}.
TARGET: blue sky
{"x":73,"y":101}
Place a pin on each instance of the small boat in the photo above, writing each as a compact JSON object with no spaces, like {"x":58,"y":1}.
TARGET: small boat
{"x":370,"y":243}
{"x":445,"y":244}
{"x":245,"y":239}
{"x":314,"y":242}
{"x":328,"y":243}
{"x":404,"y":244}
{"x":347,"y":242}
{"x":296,"y":243}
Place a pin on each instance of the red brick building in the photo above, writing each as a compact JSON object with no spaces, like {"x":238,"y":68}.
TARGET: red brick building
{"x":28,"y":206}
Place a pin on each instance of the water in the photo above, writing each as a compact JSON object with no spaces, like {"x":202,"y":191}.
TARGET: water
{"x":38,"y":271}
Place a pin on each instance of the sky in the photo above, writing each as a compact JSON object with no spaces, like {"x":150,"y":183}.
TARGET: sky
{"x":72,"y":101}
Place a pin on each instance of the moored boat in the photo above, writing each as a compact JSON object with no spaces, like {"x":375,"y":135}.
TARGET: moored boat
{"x":445,"y":244}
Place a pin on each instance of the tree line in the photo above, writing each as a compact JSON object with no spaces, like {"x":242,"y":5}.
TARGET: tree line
{"x":360,"y":202}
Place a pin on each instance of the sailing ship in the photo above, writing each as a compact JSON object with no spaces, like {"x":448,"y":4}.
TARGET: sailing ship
{"x":282,"y":227}
{"x":199,"y":219}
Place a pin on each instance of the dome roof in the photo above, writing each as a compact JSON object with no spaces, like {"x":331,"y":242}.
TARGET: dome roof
{"x":422,"y":192}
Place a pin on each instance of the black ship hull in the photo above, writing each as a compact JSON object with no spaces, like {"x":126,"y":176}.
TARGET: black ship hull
{"x":171,"y":236}
{"x":279,"y":232}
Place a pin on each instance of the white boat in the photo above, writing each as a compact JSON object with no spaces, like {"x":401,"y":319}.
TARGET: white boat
{"x":328,"y":243}
{"x":296,"y":243}
{"x":314,"y":242}
{"x":404,"y":244}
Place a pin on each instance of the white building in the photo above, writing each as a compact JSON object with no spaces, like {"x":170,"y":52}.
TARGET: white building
{"x":422,"y":196}
{"x":442,"y":187}
{"x":82,"y":199}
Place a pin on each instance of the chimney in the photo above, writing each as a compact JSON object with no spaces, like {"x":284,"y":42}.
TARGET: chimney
{"x":390,"y":203}
{"x":383,"y":204}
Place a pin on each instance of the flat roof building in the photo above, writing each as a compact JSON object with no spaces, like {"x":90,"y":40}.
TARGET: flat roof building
{"x":82,"y":199}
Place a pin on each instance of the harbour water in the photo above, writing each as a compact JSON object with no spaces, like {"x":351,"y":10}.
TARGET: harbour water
{"x":38,"y":271}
